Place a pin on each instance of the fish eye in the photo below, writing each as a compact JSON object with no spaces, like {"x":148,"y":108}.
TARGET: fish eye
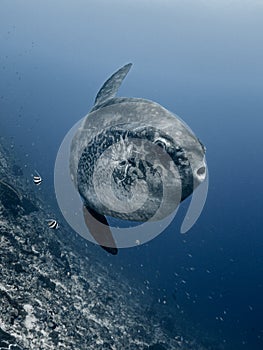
{"x":160,"y":144}
{"x":122,"y":162}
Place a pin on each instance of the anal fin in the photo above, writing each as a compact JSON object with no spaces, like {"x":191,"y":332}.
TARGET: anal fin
{"x":100,"y":230}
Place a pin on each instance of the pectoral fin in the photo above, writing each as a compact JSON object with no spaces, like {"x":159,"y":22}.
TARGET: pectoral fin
{"x":100,"y":230}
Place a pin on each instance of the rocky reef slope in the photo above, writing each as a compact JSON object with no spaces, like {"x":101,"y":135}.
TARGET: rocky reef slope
{"x":54,"y":293}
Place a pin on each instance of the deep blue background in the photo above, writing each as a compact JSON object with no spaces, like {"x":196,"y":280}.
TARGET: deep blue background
{"x":199,"y":59}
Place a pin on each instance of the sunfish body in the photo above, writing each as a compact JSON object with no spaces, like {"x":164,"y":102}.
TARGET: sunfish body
{"x":132,"y":159}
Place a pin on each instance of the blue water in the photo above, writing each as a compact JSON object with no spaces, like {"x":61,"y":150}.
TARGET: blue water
{"x":201,"y":60}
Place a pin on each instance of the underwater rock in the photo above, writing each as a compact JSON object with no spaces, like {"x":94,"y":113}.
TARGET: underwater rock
{"x":8,"y":342}
{"x":55,"y":293}
{"x":10,"y":308}
{"x":18,"y":268}
{"x":45,"y":282}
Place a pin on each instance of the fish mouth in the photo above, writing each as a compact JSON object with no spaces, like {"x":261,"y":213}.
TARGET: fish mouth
{"x":128,"y":172}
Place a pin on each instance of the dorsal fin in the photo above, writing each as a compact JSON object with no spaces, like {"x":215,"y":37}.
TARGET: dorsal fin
{"x":111,"y":86}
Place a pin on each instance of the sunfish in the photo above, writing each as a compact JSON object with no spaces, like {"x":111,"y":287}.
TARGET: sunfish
{"x":132,"y":159}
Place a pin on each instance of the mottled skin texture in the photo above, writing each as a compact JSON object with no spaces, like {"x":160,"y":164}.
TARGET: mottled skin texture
{"x":130,"y":168}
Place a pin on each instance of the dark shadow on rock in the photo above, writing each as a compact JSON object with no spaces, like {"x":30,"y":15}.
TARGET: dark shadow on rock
{"x":45,"y":282}
{"x":7,"y":341}
{"x":28,"y":206}
{"x":10,"y":198}
{"x":13,"y":202}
